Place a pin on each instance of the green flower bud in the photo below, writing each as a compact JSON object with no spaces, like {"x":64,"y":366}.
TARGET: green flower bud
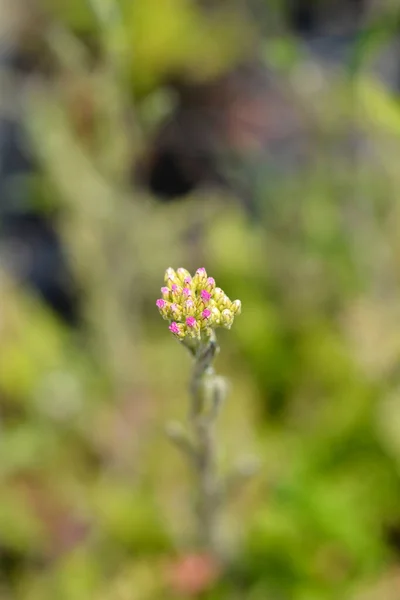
{"x":215,"y":318}
{"x":224,"y":303}
{"x":210,"y":284}
{"x":227,"y":318}
{"x":175,"y":312}
{"x":218,"y":294}
{"x":169,"y":273}
{"x":176,"y":292}
{"x":199,"y":279}
{"x":190,"y":308}
{"x":192,"y":327}
{"x":236,"y":307}
{"x":183,"y":274}
{"x":171,"y":278}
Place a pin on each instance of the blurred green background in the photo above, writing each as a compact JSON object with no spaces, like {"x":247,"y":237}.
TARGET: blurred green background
{"x":95,"y":502}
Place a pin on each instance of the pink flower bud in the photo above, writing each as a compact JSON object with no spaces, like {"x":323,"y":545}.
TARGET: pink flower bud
{"x":186,"y":292}
{"x":165,"y":292}
{"x":206,"y":313}
{"x":187,"y":280}
{"x":205,"y":296}
{"x":161,"y":303}
{"x":201,"y":272}
{"x":174,"y":328}
{"x":191,"y":322}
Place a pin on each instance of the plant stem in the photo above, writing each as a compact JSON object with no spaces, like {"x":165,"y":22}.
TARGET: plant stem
{"x":198,"y":445}
{"x":202,"y":421}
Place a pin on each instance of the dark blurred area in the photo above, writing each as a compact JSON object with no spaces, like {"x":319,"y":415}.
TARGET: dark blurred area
{"x":258,"y":139}
{"x":217,"y":129}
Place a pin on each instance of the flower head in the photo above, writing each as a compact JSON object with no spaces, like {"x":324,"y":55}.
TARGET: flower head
{"x":194,"y":305}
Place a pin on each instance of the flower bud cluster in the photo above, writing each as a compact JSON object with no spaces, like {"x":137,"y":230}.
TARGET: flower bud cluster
{"x":194,"y":305}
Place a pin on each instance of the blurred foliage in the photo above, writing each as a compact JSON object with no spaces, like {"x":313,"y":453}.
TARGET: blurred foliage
{"x":94,"y":502}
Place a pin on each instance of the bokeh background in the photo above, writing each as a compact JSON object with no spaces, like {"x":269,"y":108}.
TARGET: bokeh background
{"x":257,"y":139}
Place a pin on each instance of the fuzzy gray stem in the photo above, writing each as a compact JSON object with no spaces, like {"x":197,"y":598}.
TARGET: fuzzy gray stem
{"x":202,"y":420}
{"x":207,"y":393}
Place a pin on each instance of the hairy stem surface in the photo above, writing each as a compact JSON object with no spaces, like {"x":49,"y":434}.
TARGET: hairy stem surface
{"x":202,"y":419}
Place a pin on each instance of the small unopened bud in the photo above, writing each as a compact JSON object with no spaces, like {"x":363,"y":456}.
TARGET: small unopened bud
{"x":182,"y":274}
{"x":176,"y":292}
{"x":170,"y":272}
{"x":218,"y":294}
{"x":163,"y":307}
{"x":189,"y":307}
{"x":205,"y":296}
{"x":215,"y":316}
{"x":177,"y":329}
{"x":225,"y":303}
{"x":173,"y":280}
{"x":193,"y":327}
{"x":227,"y":318}
{"x":210,"y":284}
{"x":236,"y":307}
{"x":200,"y":278}
{"x":171,"y":277}
{"x":191,"y":322}
{"x":175,"y":311}
{"x":202,"y":273}
{"x":165,"y":293}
